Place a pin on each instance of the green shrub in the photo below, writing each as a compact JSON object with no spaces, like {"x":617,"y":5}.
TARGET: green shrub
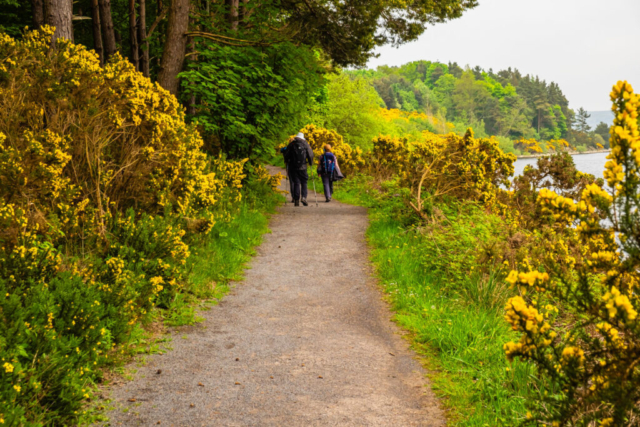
{"x":506,"y":144}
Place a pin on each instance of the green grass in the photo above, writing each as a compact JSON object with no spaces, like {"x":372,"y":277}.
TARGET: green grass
{"x":454,"y":311}
{"x":223,"y":256}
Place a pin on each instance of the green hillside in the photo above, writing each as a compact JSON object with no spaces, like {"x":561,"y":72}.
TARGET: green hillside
{"x":506,"y":104}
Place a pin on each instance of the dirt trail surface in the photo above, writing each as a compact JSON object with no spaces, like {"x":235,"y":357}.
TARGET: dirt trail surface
{"x":305,"y":340}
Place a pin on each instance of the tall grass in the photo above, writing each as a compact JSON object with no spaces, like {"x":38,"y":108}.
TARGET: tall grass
{"x":453,"y":311}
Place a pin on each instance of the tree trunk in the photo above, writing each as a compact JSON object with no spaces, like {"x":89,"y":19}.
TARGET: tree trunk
{"x":133,"y":35}
{"x":97,"y":36}
{"x":174,"y":46}
{"x":59,"y":14}
{"x":193,"y":57}
{"x":106,"y":23}
{"x":37,"y":6}
{"x":142,"y":38}
{"x":539,"y":112}
{"x":244,"y":11}
{"x":232,"y":13}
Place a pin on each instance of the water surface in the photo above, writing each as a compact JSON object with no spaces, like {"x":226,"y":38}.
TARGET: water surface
{"x":587,"y":163}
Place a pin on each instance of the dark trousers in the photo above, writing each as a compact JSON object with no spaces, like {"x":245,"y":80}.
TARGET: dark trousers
{"x":299,"y":180}
{"x":327,"y":182}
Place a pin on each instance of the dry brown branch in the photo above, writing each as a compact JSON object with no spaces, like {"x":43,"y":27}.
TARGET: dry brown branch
{"x":230,"y":41}
{"x":159,"y":19}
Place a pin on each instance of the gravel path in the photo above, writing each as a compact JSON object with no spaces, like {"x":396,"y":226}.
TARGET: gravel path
{"x":305,"y":340}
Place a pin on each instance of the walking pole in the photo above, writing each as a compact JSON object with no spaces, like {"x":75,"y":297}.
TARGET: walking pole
{"x":314,"y":187}
{"x":288,"y":186}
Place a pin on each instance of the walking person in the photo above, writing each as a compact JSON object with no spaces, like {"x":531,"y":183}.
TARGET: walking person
{"x":299,"y":154}
{"x":329,"y":170}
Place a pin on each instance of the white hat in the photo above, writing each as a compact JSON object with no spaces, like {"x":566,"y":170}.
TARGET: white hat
{"x":300,"y":135}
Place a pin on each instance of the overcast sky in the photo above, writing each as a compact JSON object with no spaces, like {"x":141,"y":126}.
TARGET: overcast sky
{"x":584,"y":45}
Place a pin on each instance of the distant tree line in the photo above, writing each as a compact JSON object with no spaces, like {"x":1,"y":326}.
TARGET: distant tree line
{"x":507,"y":104}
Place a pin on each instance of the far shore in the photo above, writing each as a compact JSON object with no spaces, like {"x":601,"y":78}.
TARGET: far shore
{"x":533,"y":156}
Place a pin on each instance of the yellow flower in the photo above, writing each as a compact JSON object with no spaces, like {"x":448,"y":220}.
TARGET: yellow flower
{"x":572,"y":353}
{"x":512,"y":278}
{"x":8,"y":367}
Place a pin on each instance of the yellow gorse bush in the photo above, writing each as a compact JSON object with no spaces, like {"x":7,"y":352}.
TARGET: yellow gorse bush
{"x":588,"y":346}
{"x":350,"y":159}
{"x":393,"y":115}
{"x":532,"y":146}
{"x":100,"y":177}
{"x":528,"y":145}
{"x":463,"y":167}
{"x":273,"y":181}
{"x":72,"y":131}
{"x":557,"y":145}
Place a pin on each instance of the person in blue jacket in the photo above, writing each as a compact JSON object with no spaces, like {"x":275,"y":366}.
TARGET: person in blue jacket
{"x":329,"y":170}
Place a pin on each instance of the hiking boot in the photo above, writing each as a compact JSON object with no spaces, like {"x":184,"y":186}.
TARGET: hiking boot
{"x":328,"y":199}
{"x":304,"y":202}
{"x":296,"y":202}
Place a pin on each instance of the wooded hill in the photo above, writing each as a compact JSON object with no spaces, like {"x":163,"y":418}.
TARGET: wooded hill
{"x":506,"y":104}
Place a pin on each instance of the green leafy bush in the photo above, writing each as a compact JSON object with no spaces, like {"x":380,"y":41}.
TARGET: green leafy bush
{"x":247,"y":96}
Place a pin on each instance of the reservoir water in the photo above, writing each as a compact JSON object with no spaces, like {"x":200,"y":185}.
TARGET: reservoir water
{"x":587,"y":163}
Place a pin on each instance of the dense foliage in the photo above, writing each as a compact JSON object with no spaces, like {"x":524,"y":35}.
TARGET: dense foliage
{"x":350,"y":107}
{"x":350,"y":159}
{"x":248,"y":98}
{"x":462,"y":167}
{"x":347,"y":31}
{"x":105,"y":135}
{"x":104,"y":187}
{"x":253,"y":67}
{"x":505,"y":104}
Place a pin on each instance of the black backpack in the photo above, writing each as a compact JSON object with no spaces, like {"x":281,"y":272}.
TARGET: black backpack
{"x":297,"y":154}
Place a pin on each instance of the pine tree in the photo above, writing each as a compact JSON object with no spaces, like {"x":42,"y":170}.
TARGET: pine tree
{"x":581,"y":120}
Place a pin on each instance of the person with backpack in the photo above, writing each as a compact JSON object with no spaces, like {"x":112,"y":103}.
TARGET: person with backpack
{"x":329,"y":170}
{"x":298,"y":154}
